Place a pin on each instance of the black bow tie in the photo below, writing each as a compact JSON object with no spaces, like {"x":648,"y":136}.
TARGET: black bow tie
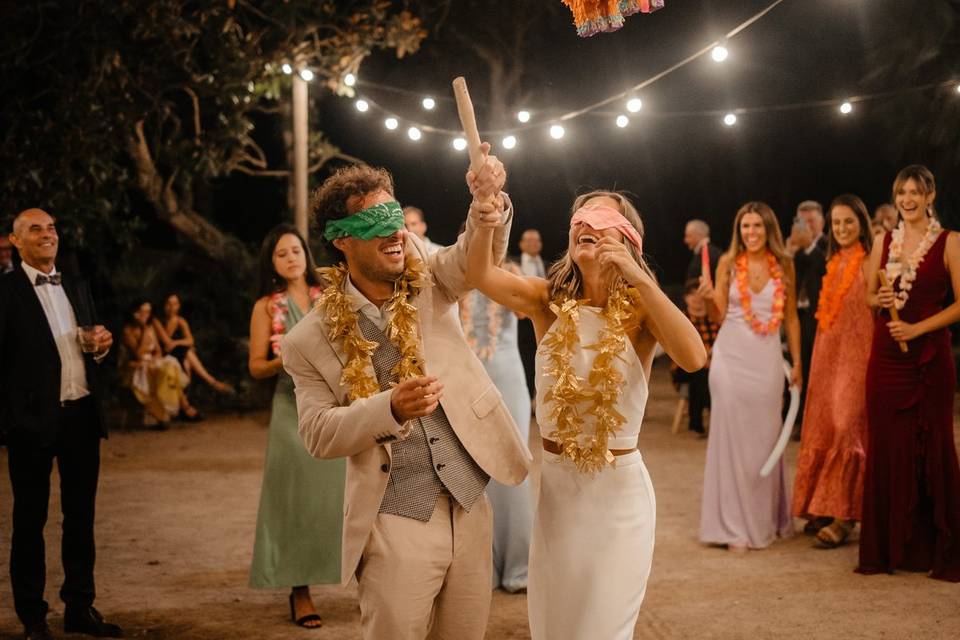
{"x":42,"y":279}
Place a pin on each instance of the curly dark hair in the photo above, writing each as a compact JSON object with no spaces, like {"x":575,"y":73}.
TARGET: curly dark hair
{"x":329,"y":201}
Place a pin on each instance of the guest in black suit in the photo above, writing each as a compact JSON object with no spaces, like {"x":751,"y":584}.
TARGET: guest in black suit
{"x":695,"y":234}
{"x":808,"y":245}
{"x":49,"y":409}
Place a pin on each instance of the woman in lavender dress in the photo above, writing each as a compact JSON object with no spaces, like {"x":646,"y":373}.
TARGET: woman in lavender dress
{"x":755,"y":294}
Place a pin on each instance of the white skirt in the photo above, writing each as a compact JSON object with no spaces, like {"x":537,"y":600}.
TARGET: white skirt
{"x":592,"y":550}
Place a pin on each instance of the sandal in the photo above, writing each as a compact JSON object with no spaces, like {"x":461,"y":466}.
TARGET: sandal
{"x":835,"y":534}
{"x":814,"y":525}
{"x":303,"y":620}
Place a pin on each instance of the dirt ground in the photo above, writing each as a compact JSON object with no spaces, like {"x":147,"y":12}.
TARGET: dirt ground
{"x":175,"y":524}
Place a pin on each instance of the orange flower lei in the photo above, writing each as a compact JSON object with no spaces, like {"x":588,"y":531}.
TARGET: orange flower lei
{"x":779,"y":294}
{"x":841,"y":273}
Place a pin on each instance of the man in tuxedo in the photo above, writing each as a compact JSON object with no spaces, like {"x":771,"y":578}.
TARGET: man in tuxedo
{"x":49,"y":409}
{"x":808,"y":245}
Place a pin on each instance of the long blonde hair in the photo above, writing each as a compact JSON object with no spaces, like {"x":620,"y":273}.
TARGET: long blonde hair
{"x":924,"y":179}
{"x":770,"y":224}
{"x":564,"y":277}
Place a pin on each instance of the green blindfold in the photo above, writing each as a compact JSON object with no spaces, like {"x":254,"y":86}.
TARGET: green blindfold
{"x":378,"y":221}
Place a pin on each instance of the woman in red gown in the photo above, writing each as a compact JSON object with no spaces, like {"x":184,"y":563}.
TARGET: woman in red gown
{"x":911,"y":497}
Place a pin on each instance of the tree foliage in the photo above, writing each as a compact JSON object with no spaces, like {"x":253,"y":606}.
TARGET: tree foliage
{"x":107,"y":104}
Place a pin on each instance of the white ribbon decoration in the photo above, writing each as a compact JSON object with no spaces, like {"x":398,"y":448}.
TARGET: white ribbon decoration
{"x":787,"y":426}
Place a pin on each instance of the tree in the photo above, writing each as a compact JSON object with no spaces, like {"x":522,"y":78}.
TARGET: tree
{"x":101,"y":101}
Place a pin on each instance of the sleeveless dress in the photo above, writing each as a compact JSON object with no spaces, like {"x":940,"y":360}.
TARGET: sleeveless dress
{"x":911,"y":499}
{"x":746,"y":391}
{"x":830,"y":467}
{"x":179,"y":352}
{"x":593,"y":534}
{"x":300,"y":519}
{"x":512,"y":506}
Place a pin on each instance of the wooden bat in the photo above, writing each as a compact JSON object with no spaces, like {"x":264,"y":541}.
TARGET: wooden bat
{"x":705,"y":264}
{"x":469,"y":123}
{"x":894,"y":314}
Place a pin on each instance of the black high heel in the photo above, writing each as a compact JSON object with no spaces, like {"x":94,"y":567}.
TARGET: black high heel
{"x":303,"y":620}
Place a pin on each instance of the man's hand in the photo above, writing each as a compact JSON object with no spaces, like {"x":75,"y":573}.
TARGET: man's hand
{"x":487,"y":214}
{"x":104,"y":339}
{"x":415,"y":398}
{"x":490,"y":179}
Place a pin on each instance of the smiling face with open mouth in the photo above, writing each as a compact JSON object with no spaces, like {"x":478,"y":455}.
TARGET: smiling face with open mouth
{"x":35,"y":236}
{"x":583,"y":238}
{"x":377,"y":259}
{"x":912,"y":202}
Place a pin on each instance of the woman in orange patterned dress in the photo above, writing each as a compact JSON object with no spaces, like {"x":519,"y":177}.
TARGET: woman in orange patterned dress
{"x":829,"y":483}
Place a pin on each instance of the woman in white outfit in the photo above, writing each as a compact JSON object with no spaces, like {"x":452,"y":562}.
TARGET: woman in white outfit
{"x":597,"y":316}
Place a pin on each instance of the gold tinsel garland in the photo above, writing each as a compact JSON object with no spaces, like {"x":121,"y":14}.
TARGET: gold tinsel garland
{"x":402,"y":328}
{"x":603,"y":383}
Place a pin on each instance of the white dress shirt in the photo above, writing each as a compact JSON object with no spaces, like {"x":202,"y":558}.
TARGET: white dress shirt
{"x":63,"y":326}
{"x":532,"y":266}
{"x":360,"y":303}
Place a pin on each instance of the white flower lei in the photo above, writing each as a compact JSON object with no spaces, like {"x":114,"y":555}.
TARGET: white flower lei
{"x":908,"y":272}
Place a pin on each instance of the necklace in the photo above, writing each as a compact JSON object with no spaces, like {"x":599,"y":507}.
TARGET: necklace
{"x":601,"y":389}
{"x":743,"y":287}
{"x":908,"y":272}
{"x":280,"y":302}
{"x":841,"y":273}
{"x":402,"y":328}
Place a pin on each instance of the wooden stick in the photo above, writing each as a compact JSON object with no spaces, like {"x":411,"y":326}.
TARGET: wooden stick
{"x":894,"y":314}
{"x":469,"y":123}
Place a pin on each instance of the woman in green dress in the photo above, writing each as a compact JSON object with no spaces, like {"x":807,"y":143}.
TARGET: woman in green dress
{"x":300,"y":520}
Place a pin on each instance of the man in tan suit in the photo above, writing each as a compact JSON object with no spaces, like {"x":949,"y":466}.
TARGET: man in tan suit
{"x":417,"y":523}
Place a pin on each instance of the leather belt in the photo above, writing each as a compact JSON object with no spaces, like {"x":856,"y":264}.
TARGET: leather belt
{"x":554,"y":447}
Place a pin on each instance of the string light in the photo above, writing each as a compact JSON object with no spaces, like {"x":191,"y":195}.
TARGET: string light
{"x":349,"y":79}
{"x":846,"y":108}
{"x":459,"y":144}
{"x":509,"y":142}
{"x":414,"y":134}
{"x":622,"y":121}
{"x":523,"y":116}
{"x":556,"y":132}
{"x":286,"y":68}
{"x":391,"y":123}
{"x":306,"y":74}
{"x":719,"y":53}
{"x":429,"y":103}
{"x":730,"y":119}
{"x":958,"y":88}
{"x":362,"y":105}
{"x":634,"y":105}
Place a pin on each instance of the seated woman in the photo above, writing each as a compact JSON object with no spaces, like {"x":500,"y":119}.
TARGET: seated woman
{"x":174,"y":333}
{"x":157,"y":381}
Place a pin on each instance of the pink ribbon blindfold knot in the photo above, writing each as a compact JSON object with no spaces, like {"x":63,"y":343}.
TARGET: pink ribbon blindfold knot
{"x":601,"y":217}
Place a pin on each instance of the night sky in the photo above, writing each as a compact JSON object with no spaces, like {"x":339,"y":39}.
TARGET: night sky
{"x":677,"y":165}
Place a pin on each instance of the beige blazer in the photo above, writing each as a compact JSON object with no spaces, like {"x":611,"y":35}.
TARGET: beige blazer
{"x":332,"y":427}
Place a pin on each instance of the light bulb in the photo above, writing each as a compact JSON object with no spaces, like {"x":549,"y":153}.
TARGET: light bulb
{"x":719,"y":53}
{"x":509,"y":142}
{"x":622,"y":121}
{"x":414,"y":134}
{"x":287,"y":69}
{"x":634,"y":105}
{"x":459,"y":144}
{"x":391,"y":123}
{"x":429,"y":103}
{"x":523,"y":116}
{"x":556,"y":132}
{"x":349,"y":79}
{"x":730,"y":119}
{"x":846,"y":108}
{"x":362,"y":105}
{"x":306,"y":74}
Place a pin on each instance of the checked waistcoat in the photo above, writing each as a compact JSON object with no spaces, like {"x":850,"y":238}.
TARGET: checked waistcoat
{"x":431,"y":458}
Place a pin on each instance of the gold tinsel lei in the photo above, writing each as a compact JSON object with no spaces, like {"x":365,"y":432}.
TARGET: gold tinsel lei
{"x":602,"y":387}
{"x":402,"y":329}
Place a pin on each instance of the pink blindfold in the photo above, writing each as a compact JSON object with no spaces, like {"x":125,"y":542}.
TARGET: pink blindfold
{"x":601,"y":217}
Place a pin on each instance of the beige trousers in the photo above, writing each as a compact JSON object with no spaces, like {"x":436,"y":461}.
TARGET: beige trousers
{"x":428,"y":579}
